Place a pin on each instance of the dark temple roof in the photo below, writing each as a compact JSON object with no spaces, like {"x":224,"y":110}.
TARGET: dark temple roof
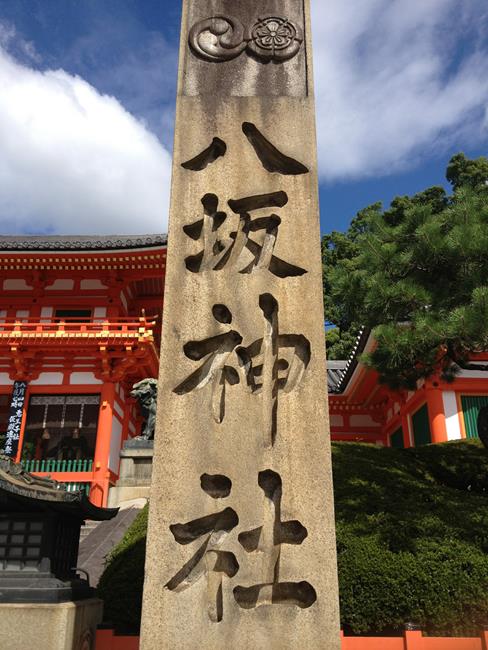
{"x":21,"y":491}
{"x":335,"y":371}
{"x":79,"y":242}
{"x":340,"y":372}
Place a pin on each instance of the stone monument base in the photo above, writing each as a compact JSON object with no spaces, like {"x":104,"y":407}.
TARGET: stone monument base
{"x":57,"y":626}
{"x":135,"y":472}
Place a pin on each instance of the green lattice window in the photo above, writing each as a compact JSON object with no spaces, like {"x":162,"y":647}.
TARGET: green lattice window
{"x":421,"y":427}
{"x":471,"y":405}
{"x":396,"y":439}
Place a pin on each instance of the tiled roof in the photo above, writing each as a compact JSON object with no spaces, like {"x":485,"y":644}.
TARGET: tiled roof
{"x":335,"y":370}
{"x":79,"y":242}
{"x":348,"y":367}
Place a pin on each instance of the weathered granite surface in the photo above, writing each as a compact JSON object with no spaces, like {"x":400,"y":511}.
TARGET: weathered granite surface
{"x":61,"y":626}
{"x":136,"y":458}
{"x":241,"y":542}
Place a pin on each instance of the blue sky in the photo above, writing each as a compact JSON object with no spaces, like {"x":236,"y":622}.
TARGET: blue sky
{"x":88,"y":93}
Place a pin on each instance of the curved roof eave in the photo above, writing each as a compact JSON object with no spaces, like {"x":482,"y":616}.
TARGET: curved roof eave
{"x":78,"y":243}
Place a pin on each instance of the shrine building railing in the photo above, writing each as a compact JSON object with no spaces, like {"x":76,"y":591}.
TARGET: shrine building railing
{"x":51,"y":465}
{"x":77,"y":474}
{"x":72,"y":329}
{"x":76,"y":486}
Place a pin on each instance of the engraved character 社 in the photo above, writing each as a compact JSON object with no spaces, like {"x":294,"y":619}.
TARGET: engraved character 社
{"x":213,"y":563}
{"x":266,"y":540}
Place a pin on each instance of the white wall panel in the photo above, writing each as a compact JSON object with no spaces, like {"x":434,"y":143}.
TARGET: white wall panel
{"x":61,"y":284}
{"x":48,"y":378}
{"x":336,"y":421}
{"x":78,"y":378}
{"x":16,"y":285}
{"x":362,"y":421}
{"x":451,"y":413}
{"x":95,"y":285}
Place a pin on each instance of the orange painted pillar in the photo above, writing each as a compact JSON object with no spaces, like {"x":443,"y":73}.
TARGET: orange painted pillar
{"x":484,"y":640}
{"x":437,"y":416}
{"x":101,"y":474}
{"x":413,"y":640}
{"x":405,"y":428}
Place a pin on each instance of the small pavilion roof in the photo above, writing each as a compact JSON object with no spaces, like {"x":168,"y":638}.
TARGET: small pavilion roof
{"x":75,"y":243}
{"x":22,"y":491}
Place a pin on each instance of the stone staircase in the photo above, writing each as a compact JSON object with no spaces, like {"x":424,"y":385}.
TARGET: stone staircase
{"x":97,"y":539}
{"x":87,"y":529}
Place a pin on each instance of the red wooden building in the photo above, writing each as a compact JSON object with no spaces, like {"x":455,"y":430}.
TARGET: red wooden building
{"x":362,"y":410}
{"x":80,"y":319}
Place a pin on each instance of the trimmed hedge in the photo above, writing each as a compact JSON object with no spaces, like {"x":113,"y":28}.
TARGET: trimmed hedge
{"x":412,"y":537}
{"x":412,"y":541}
{"x":121,"y":583}
{"x":465,"y":471}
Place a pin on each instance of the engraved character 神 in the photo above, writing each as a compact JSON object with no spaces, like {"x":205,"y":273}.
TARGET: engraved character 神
{"x":216,"y":351}
{"x":269,"y":365}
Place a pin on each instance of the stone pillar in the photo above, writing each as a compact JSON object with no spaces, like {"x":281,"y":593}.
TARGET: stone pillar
{"x":135,"y":470}
{"x":241,"y":542}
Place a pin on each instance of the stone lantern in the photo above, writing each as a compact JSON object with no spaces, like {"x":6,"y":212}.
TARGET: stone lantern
{"x":44,"y":602}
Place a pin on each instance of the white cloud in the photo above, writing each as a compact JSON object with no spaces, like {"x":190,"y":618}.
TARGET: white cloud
{"x":73,"y":160}
{"x":9,"y":38}
{"x":134,"y":64}
{"x":396,"y":80}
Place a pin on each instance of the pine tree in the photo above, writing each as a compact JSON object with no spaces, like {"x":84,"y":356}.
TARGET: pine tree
{"x":336,"y":248}
{"x":418,"y":276}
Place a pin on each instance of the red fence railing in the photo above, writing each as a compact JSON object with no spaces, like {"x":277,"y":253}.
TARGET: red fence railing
{"x":107,"y":640}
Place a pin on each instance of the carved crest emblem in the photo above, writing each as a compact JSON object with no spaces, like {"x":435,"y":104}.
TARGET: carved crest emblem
{"x":274,"y":38}
{"x":222,"y":38}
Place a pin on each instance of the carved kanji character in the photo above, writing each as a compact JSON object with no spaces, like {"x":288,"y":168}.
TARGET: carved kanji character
{"x":274,"y":363}
{"x":267,"y":540}
{"x":271,"y":364}
{"x":272,"y":159}
{"x":229,"y":252}
{"x":208,"y":560}
{"x":216,"y":350}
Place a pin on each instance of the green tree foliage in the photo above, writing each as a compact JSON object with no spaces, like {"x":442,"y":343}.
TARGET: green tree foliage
{"x":417,"y":274}
{"x":121,"y":583}
{"x":412,"y":537}
{"x":341,"y":342}
{"x":462,"y":171}
{"x":337,"y":247}
{"x":412,"y":542}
